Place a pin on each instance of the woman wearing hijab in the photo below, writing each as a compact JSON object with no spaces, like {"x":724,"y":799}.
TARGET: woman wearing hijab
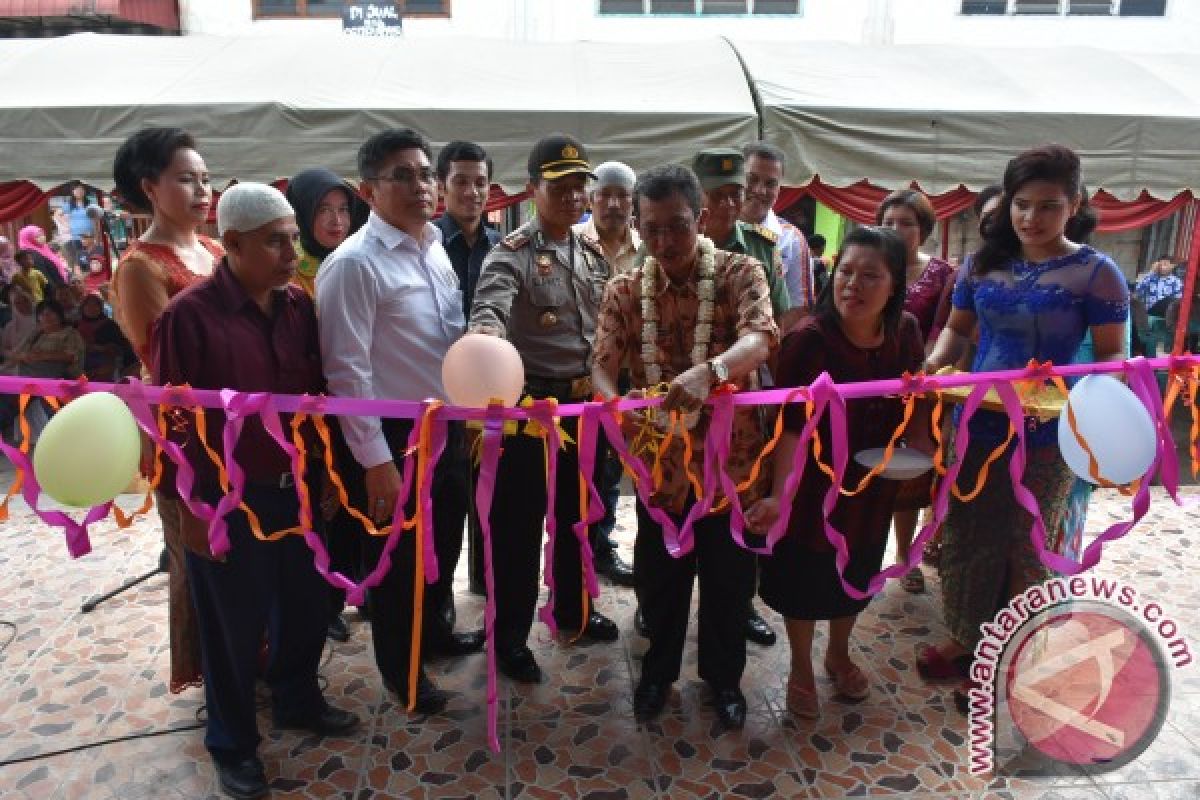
{"x":327,"y":211}
{"x":48,"y":262}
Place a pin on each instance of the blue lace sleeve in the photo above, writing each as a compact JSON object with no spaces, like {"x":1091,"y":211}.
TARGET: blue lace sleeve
{"x":1107,"y":299}
{"x":963,"y":298}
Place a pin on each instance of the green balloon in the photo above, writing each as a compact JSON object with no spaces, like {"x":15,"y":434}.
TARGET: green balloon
{"x":89,"y":451}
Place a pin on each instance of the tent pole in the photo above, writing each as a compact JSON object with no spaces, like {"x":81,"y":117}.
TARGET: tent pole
{"x":1189,"y":283}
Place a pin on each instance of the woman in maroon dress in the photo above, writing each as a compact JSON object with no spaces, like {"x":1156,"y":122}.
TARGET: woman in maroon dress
{"x":860,"y":332}
{"x":158,"y":170}
{"x":929,"y":282}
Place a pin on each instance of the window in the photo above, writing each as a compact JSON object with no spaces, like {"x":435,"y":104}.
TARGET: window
{"x":1143,"y":8}
{"x":1074,"y":8}
{"x":1035,"y":7}
{"x":736,"y":8}
{"x":985,"y":6}
{"x":672,"y":7}
{"x":1091,"y":8}
{"x":724,"y":7}
{"x":266,"y":9}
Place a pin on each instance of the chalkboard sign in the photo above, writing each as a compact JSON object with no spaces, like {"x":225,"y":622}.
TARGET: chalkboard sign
{"x":371,"y":19}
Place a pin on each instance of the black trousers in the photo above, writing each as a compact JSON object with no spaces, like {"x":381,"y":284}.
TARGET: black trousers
{"x":664,"y":592}
{"x":271,"y":586}
{"x":518,"y":520}
{"x":391,"y":603}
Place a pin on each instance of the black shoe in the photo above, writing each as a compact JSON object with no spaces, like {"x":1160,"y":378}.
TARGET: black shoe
{"x":245,"y":780}
{"x":639,"y":624}
{"x":758,"y":631}
{"x":338,"y":631}
{"x":329,"y":721}
{"x":731,"y":708}
{"x":599,"y":628}
{"x":457,"y":644}
{"x":613,"y":567}
{"x":649,"y":699}
{"x":518,"y":664}
{"x":430,"y":699}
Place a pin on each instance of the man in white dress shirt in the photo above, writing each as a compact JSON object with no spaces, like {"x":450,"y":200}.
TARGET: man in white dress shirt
{"x":764,"y":179}
{"x":391,"y":307}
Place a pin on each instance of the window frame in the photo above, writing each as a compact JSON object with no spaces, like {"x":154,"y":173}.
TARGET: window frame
{"x":1064,"y":10}
{"x":302,"y":12}
{"x":699,"y":12}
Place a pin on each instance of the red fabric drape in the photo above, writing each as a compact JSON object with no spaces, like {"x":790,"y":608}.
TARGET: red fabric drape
{"x":858,"y":201}
{"x":18,"y":198}
{"x":1189,"y":282}
{"x":1123,"y":215}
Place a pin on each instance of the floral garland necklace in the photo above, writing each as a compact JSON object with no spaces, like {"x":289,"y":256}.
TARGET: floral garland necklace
{"x":705,"y":288}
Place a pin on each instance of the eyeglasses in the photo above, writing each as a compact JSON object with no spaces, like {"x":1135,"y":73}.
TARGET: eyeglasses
{"x":676,"y":228}
{"x":407,"y":175}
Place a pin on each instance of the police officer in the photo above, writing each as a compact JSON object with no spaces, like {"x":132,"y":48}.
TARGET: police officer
{"x":541,"y":288}
{"x":722,"y":174}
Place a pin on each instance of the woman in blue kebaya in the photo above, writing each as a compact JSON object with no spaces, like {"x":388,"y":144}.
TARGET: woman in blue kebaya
{"x":1032,"y":293}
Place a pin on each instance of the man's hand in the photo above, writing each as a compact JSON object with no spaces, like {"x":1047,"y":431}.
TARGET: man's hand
{"x":689,"y":390}
{"x":633,"y":420}
{"x":762,"y":515}
{"x":383,"y":486}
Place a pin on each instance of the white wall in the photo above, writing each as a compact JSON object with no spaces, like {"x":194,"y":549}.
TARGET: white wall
{"x":874,"y":21}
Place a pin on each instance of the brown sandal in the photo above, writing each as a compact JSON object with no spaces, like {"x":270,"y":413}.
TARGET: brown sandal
{"x":849,"y":682}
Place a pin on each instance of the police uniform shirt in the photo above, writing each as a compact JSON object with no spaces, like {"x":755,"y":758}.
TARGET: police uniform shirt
{"x":543,"y":297}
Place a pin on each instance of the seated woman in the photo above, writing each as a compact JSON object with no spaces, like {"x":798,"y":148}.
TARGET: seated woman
{"x":859,"y":332}
{"x":53,"y":350}
{"x":1032,"y":293}
{"x":102,"y":337}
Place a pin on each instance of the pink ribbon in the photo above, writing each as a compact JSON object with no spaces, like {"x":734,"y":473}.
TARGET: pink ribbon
{"x":543,"y":412}
{"x":485,"y":487}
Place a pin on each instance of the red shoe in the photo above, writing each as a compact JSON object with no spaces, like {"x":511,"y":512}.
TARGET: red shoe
{"x":936,"y":668}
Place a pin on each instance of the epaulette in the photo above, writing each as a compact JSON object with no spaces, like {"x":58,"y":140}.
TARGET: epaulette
{"x":515,"y":240}
{"x":592,"y":244}
{"x":765,"y":232}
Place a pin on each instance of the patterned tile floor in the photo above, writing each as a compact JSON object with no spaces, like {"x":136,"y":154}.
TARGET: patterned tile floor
{"x":69,"y":679}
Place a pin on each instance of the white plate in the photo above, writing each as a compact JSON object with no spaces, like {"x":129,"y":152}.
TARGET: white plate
{"x":905,"y":465}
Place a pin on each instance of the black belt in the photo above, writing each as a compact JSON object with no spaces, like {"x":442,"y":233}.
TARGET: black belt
{"x":559,"y":388}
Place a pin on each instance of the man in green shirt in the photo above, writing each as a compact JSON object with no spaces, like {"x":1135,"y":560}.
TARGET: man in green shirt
{"x":722,"y":174}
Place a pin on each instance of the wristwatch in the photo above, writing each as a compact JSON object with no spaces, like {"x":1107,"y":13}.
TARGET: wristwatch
{"x":719,"y":370}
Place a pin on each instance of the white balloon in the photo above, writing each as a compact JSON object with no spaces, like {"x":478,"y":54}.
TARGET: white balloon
{"x":1116,"y":426}
{"x":479,"y":368}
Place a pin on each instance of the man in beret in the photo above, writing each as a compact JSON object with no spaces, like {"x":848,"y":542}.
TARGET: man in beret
{"x":540,"y":288}
{"x":722,"y":174}
{"x":247,"y":328}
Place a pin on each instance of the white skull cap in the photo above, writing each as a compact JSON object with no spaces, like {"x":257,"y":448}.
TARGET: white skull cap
{"x":614,"y":173}
{"x":246,"y":206}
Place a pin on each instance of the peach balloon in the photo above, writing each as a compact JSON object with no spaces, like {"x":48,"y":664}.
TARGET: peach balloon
{"x":479,"y":368}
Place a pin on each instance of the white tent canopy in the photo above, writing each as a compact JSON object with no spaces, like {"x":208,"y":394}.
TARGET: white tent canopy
{"x":945,"y":116}
{"x":265,"y":108}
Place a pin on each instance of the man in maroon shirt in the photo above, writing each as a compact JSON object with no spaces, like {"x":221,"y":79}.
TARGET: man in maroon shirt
{"x":247,"y":328}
